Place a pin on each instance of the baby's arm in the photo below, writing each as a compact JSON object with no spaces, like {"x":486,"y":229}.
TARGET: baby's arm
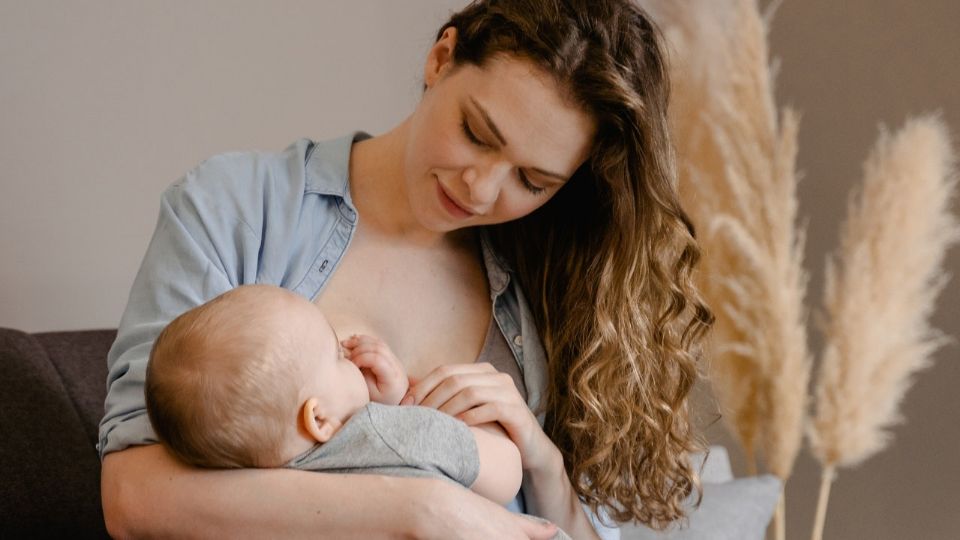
{"x":385,"y":376}
{"x":500,"y":469}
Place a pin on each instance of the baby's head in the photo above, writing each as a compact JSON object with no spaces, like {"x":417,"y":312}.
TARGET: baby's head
{"x":250,"y":379}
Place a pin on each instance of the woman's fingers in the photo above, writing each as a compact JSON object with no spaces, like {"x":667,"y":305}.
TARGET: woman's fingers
{"x":478,"y":394}
{"x":463,"y":400}
{"x":464,"y":514}
{"x":486,"y":413}
{"x":453,"y":376}
{"x":537,"y":530}
{"x":457,"y":392}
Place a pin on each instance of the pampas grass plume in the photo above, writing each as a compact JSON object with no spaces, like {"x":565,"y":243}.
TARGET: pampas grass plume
{"x":880,"y":290}
{"x":738,"y":182}
{"x":737,"y":160}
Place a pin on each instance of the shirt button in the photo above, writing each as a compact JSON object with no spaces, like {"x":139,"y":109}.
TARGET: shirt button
{"x":518,"y":340}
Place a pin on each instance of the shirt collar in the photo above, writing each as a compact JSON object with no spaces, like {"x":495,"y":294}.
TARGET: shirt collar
{"x":498,"y":271}
{"x":328,"y":166}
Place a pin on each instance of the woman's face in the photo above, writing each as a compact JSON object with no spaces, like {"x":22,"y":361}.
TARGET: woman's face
{"x":489,"y":145}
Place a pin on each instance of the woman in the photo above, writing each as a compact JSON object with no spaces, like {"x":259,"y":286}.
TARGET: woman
{"x":536,"y":166}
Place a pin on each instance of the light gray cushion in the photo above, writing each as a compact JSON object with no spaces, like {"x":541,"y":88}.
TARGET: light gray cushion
{"x":734,"y":509}
{"x":717,"y":466}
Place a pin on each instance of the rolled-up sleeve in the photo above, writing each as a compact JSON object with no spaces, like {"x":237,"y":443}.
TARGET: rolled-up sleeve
{"x":195,"y":254}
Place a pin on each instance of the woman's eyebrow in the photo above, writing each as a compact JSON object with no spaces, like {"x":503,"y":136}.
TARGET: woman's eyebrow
{"x":496,"y":132}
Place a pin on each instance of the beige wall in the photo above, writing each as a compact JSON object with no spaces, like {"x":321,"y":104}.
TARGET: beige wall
{"x":104,"y":103}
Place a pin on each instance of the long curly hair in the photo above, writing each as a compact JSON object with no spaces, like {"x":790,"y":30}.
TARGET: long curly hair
{"x":608,"y":261}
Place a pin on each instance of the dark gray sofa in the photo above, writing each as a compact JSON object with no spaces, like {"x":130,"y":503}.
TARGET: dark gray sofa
{"x":53,"y":386}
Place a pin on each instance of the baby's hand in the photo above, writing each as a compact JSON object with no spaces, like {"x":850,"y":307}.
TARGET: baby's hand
{"x":385,"y":375}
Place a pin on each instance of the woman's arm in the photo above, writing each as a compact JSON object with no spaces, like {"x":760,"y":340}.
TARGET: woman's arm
{"x":146,"y":492}
{"x":550,"y":495}
{"x":478,"y":394}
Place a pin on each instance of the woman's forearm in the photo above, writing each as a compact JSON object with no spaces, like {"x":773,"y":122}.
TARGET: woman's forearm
{"x":147,"y":493}
{"x":550,"y":495}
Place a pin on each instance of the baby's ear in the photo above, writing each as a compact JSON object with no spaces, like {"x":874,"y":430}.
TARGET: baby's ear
{"x":319,"y":425}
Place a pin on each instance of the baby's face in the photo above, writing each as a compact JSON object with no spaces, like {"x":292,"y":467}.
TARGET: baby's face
{"x":329,"y":374}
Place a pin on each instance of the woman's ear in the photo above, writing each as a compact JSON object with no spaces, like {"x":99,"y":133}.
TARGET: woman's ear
{"x":440,"y":57}
{"x":318,"y":424}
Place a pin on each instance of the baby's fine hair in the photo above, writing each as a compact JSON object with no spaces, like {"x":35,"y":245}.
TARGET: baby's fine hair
{"x":220,"y":388}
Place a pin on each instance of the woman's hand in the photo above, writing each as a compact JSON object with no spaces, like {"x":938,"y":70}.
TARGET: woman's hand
{"x":478,"y":394}
{"x":383,"y":372}
{"x":455,"y":512}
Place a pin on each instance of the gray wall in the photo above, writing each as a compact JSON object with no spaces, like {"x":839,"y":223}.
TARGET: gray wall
{"x":849,"y":66}
{"x":104,"y":103}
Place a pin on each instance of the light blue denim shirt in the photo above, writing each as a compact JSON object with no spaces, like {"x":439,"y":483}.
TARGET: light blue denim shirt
{"x":284,"y":219}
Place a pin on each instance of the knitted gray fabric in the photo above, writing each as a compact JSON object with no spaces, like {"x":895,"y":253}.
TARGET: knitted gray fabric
{"x":400,"y":441}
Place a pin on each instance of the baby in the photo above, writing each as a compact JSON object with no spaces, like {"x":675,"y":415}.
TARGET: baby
{"x":257,"y":377}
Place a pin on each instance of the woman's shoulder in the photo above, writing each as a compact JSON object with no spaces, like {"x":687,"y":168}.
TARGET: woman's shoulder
{"x":263,"y":189}
{"x":254,"y":184}
{"x":244,"y":177}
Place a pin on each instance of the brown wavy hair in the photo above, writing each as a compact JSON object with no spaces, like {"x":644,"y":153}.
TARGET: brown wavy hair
{"x":608,"y":261}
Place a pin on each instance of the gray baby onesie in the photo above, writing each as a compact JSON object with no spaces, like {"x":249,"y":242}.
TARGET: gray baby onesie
{"x":398,"y":441}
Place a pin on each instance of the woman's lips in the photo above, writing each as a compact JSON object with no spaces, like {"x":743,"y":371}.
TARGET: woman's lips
{"x":451,"y":205}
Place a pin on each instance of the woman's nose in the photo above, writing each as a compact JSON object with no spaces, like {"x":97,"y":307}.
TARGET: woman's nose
{"x":486,"y":181}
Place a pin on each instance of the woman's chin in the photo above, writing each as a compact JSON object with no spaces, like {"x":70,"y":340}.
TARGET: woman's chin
{"x":436,"y":220}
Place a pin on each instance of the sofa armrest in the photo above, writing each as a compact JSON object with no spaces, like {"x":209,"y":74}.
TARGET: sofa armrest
{"x":50,"y":471}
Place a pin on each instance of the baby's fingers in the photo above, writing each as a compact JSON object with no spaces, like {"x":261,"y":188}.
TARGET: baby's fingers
{"x":360,"y":339}
{"x":370,"y":360}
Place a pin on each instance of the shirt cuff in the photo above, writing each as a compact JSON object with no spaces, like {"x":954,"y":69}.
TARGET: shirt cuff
{"x":122,"y":433}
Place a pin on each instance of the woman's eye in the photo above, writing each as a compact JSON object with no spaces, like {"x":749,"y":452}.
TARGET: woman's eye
{"x":469,"y":134}
{"x":532,"y":188}
{"x":536,"y":190}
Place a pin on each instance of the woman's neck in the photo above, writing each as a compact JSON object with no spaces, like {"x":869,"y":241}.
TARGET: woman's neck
{"x":379,"y":191}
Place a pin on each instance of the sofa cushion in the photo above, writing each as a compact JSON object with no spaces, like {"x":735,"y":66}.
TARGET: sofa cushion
{"x":49,"y":466}
{"x":81,"y":360}
{"x":731,"y":509}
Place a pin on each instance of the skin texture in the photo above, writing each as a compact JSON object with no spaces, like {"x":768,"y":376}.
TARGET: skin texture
{"x":404,"y":225}
{"x":482,"y":169}
{"x":340,"y":378}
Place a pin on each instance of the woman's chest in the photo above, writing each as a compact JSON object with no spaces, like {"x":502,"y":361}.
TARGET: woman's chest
{"x":431,"y":307}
